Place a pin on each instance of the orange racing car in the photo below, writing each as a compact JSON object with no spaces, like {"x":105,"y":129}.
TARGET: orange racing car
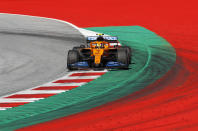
{"x":99,"y":53}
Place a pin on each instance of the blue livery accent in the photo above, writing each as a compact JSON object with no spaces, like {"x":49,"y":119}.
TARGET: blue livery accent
{"x":82,"y":64}
{"x":114,"y":64}
{"x":94,"y":38}
{"x":110,"y":38}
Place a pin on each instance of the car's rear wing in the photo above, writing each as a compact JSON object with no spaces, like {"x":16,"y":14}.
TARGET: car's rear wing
{"x":110,"y":39}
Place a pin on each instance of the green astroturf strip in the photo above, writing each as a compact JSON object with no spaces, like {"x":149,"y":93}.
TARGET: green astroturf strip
{"x":152,"y":55}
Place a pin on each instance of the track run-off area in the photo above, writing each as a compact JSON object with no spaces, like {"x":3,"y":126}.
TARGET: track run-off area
{"x":152,"y":58}
{"x":174,"y":105}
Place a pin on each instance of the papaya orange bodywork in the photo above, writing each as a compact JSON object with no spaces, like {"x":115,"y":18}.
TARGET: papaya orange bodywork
{"x":97,"y":50}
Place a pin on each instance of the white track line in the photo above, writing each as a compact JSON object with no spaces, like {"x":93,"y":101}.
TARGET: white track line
{"x":13,"y":100}
{"x":88,"y":71}
{"x":4,"y":108}
{"x":41,"y":91}
{"x":63,"y":84}
{"x":79,"y":77}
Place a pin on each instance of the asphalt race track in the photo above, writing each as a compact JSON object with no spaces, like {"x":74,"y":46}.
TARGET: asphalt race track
{"x":30,"y":48}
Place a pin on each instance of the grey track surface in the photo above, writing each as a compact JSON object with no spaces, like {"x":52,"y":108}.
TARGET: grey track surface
{"x":33,"y":51}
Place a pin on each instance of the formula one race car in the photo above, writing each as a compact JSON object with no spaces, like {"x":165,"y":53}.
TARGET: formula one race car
{"x":100,"y":52}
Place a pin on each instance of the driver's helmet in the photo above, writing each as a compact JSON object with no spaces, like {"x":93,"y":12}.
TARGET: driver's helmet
{"x":100,"y":38}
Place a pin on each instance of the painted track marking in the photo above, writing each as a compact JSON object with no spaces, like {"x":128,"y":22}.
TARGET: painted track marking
{"x":65,"y":83}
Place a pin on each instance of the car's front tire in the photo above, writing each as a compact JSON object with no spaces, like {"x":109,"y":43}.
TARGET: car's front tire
{"x":72,"y":57}
{"x":129,"y":53}
{"x":122,"y":57}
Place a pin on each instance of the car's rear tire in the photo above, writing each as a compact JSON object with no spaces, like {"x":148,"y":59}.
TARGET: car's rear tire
{"x":122,"y":57}
{"x":72,"y":57}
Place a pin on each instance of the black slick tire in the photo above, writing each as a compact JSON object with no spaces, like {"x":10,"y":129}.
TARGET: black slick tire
{"x":72,"y":58}
{"x":122,"y":57}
